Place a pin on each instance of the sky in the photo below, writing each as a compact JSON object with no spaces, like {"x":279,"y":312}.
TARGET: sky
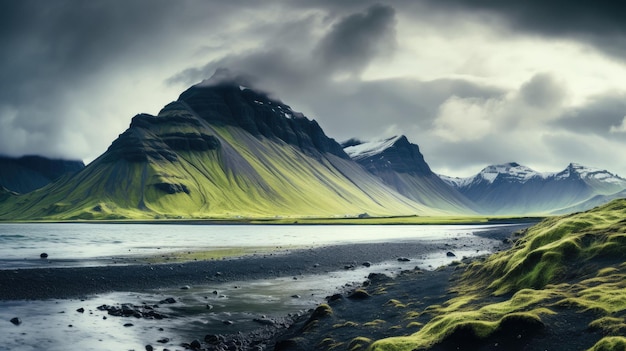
{"x":472,"y":82}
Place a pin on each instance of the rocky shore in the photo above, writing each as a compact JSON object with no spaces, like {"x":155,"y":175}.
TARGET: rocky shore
{"x":284,"y":333}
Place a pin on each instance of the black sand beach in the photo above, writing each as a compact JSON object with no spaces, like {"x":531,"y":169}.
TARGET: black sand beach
{"x":78,"y":282}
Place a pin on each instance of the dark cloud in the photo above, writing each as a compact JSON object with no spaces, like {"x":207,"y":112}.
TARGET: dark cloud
{"x":599,"y":23}
{"x":597,"y":116}
{"x":542,"y":91}
{"x":56,"y":56}
{"x":357,"y":39}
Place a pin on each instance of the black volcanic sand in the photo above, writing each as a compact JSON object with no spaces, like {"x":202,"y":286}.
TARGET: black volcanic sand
{"x":47,"y":283}
{"x":424,"y":287}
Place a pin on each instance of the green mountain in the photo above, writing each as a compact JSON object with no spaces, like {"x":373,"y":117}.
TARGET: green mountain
{"x":220,"y":151}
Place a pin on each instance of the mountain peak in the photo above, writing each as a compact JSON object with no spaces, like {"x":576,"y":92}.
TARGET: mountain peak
{"x":511,"y":171}
{"x":577,"y":170}
{"x":226,"y":99}
{"x":395,"y":153}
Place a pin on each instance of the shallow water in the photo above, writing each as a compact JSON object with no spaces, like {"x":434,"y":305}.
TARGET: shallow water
{"x":87,"y":244}
{"x":199,"y":310}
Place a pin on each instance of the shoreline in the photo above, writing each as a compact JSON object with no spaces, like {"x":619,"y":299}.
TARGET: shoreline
{"x":322,"y":221}
{"x":43,"y":284}
{"x":75,"y":282}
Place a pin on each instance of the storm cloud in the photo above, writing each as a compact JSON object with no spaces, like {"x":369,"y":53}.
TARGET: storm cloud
{"x":599,"y":23}
{"x":471,"y":82}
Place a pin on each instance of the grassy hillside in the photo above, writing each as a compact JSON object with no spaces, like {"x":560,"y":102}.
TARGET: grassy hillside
{"x":247,"y":176}
{"x":565,"y":272}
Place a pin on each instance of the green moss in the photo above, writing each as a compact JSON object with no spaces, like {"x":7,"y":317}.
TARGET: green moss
{"x":610,"y":343}
{"x":329,"y":344}
{"x":375,"y":323}
{"x":359,"y":343}
{"x":574,"y":262}
{"x":347,"y":324}
{"x":609,"y":325}
{"x":205,"y":255}
{"x":395,"y":303}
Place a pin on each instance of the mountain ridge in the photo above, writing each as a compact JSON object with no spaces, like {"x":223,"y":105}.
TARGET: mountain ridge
{"x":401,"y":166}
{"x":514,"y":188}
{"x":27,"y":173}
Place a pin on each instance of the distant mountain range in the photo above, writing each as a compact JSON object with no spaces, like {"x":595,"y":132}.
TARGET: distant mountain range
{"x":515,"y":189}
{"x":27,"y":173}
{"x":223,"y":150}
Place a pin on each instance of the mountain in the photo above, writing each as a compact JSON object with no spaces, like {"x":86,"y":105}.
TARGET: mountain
{"x":401,"y":166}
{"x":27,"y":173}
{"x":512,"y":188}
{"x":222,"y":150}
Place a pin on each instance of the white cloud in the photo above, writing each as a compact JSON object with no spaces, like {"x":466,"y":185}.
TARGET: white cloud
{"x":465,"y":119}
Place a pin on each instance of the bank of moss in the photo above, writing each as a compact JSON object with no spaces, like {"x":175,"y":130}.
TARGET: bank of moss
{"x":574,"y":262}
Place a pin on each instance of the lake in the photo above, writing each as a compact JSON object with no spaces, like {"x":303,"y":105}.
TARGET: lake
{"x":56,"y":324}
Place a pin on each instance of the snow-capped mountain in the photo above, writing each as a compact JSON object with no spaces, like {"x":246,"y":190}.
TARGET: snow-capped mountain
{"x":512,"y":172}
{"x":401,"y":166}
{"x":512,"y":188}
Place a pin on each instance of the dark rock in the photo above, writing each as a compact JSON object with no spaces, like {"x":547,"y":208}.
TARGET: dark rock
{"x":295,"y":296}
{"x":164,"y":340}
{"x":171,"y":188}
{"x":450,"y":254}
{"x":16,"y":321}
{"x":401,"y":157}
{"x":334,"y":297}
{"x":228,"y":322}
{"x":196,"y":345}
{"x":169,"y":300}
{"x":403,"y":259}
{"x":213,"y":339}
{"x":81,"y":310}
{"x":149,"y":348}
{"x":264,"y":321}
{"x":359,"y":294}
{"x":43,"y":255}
{"x":366,"y":264}
{"x":221,"y":101}
{"x":128,"y":325}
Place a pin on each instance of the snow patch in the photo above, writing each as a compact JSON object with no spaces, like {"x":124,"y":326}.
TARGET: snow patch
{"x":369,"y":149}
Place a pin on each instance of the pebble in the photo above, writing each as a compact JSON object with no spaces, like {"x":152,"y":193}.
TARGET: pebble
{"x":16,"y":321}
{"x":81,"y":310}
{"x":43,"y":255}
{"x":450,"y":254}
{"x":195,"y":345}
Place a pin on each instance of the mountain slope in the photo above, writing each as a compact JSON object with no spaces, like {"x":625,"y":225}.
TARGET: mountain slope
{"x":27,"y":173}
{"x":220,"y":151}
{"x":402,"y":167}
{"x":515,"y":189}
